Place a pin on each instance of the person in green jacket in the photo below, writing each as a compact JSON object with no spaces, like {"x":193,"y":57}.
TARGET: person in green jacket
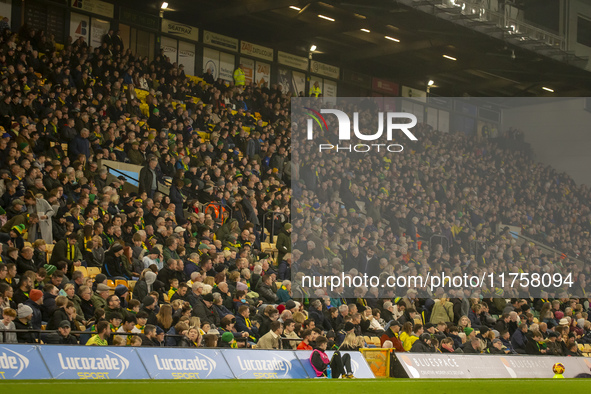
{"x":284,"y":242}
{"x":443,"y":311}
{"x":284,"y":292}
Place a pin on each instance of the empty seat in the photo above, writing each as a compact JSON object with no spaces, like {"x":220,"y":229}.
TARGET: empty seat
{"x":82,"y":269}
{"x":93,"y":271}
{"x":121,"y":282}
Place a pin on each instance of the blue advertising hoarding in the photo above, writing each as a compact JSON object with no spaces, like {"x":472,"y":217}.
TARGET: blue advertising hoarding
{"x":358,"y":364}
{"x":21,"y":362}
{"x":178,"y":363}
{"x":265,"y":364}
{"x":93,"y":362}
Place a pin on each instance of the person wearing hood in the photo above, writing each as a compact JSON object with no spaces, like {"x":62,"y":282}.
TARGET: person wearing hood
{"x":114,"y":267}
{"x":144,"y":286}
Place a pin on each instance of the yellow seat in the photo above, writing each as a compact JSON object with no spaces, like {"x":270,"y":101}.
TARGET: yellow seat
{"x":82,"y":269}
{"x":131,"y":284}
{"x":110,"y":283}
{"x":121,"y":282}
{"x":376,"y":341}
{"x":93,"y":271}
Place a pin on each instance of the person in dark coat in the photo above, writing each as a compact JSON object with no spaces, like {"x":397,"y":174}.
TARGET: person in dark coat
{"x":80,"y":145}
{"x":113,"y":267}
{"x":148,"y":181}
{"x":205,"y":311}
{"x":23,"y":322}
{"x":62,"y":336}
{"x":148,"y":306}
{"x":315,"y":313}
{"x":34,"y":302}
{"x":423,"y":345}
{"x":59,"y":315}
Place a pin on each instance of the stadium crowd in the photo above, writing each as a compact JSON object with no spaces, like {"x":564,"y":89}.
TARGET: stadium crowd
{"x":81,"y":253}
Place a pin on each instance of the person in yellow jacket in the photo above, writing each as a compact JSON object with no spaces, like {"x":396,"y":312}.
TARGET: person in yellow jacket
{"x":315,"y":90}
{"x":239,"y":76}
{"x":408,"y":337}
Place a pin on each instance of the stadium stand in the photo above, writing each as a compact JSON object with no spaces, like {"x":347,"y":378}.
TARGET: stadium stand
{"x":84,"y":257}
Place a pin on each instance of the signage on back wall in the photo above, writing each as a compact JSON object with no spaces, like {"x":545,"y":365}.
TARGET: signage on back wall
{"x":324,"y":69}
{"x":180,"y":29}
{"x":95,"y":7}
{"x":294,"y":61}
{"x":256,"y":50}
{"x":219,"y":40}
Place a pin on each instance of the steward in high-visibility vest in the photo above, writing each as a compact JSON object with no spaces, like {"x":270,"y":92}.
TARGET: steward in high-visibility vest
{"x":239,"y":77}
{"x":315,"y":90}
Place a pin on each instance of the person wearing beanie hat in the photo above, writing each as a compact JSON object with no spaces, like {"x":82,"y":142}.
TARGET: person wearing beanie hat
{"x":148,"y":306}
{"x":23,"y":322}
{"x":35,"y":295}
{"x":290,"y":306}
{"x":227,"y":340}
{"x":24,"y":311}
{"x":468,"y":331}
{"x":35,"y":302}
{"x":100,"y":278}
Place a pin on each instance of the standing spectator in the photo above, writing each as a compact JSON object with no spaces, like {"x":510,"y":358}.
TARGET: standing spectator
{"x":239,"y":76}
{"x":148,"y":181}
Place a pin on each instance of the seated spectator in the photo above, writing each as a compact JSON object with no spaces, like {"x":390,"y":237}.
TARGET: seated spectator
{"x":8,"y":316}
{"x":62,"y":336}
{"x":340,"y":365}
{"x":103,"y":332}
{"x":272,"y":339}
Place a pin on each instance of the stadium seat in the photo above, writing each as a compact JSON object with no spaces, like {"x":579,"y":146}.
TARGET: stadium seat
{"x":93,"y":271}
{"x":110,"y":283}
{"x":82,"y":269}
{"x":131,"y":284}
{"x":121,"y":282}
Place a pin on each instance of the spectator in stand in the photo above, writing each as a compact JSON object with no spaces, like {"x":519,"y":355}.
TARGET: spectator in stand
{"x":103,"y":332}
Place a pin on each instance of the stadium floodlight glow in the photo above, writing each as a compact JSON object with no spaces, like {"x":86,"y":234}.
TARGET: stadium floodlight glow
{"x":293,"y":7}
{"x":431,"y":82}
{"x":548,"y":89}
{"x":449,"y":57}
{"x":326,"y":17}
{"x":391,"y":38}
{"x":365,"y":30}
{"x":313,"y":48}
{"x":164,"y":5}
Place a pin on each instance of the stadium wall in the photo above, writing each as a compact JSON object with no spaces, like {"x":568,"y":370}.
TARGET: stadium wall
{"x":558,"y":131}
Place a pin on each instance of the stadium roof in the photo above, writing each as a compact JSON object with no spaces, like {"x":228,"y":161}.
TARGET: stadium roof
{"x":388,"y":39}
